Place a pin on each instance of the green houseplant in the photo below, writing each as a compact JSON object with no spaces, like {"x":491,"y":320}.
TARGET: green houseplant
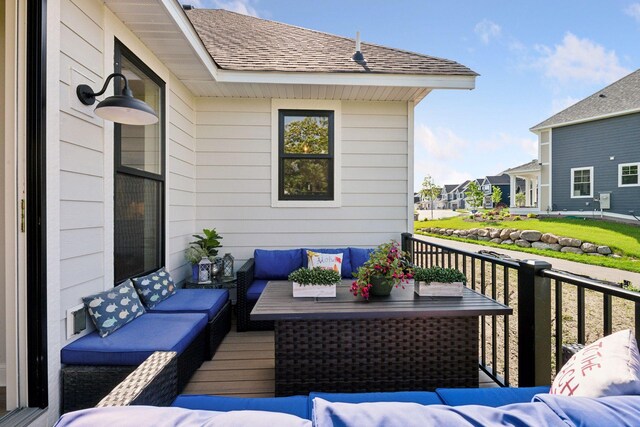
{"x":438,"y":281}
{"x":209,"y":240}
{"x":315,"y":282}
{"x":387,"y":267}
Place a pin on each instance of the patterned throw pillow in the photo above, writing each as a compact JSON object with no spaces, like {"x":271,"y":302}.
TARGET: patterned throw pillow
{"x":608,"y":367}
{"x":328,"y":261}
{"x":112,"y":309}
{"x":155,"y":287}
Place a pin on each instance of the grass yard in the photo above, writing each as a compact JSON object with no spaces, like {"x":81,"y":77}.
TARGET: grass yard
{"x":622,"y":238}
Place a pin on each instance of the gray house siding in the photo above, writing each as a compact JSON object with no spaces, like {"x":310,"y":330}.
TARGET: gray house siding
{"x":592,"y":144}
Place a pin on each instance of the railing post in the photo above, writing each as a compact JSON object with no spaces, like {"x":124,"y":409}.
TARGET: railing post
{"x":404,"y":241}
{"x":534,"y":329}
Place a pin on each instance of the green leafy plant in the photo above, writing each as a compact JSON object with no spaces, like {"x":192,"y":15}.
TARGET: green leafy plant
{"x":496,"y":196}
{"x":438,"y":274}
{"x":315,"y":276}
{"x":209,"y":241}
{"x":194,"y":254}
{"x":430,"y":191}
{"x":474,"y":194}
{"x":517,"y":218}
{"x":532,"y":215}
{"x":387,"y":261}
{"x":520,"y":199}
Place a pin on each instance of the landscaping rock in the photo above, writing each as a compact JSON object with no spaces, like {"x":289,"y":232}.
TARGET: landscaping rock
{"x":549,"y":238}
{"x":541,"y":245}
{"x":614,"y":256}
{"x":496,"y":240}
{"x":473,"y":232}
{"x":483,"y":232}
{"x":604,"y":250}
{"x":494,"y":234}
{"x":456,"y":233}
{"x":595,"y":254}
{"x":571,"y":249}
{"x":504,"y":234}
{"x":484,"y":238}
{"x":472,"y":237}
{"x":523,"y":243}
{"x":589,"y":248}
{"x":507,"y":242}
{"x":515,"y":235}
{"x":531,"y":235}
{"x":463,"y":232}
{"x":555,"y":247}
{"x":568,"y":241}
{"x":449,"y":231}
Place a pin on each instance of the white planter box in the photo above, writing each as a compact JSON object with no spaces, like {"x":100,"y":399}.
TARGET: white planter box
{"x":437,"y":289}
{"x":312,"y":291}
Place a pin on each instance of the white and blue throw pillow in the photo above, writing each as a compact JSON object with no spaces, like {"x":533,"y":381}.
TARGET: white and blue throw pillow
{"x":112,"y":309}
{"x":155,"y":287}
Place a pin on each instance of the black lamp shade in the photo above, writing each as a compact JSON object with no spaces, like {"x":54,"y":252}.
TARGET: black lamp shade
{"x":126,"y":110}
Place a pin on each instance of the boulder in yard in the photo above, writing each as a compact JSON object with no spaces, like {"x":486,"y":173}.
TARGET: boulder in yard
{"x":505,"y":233}
{"x":496,"y":240}
{"x":507,"y":242}
{"x":531,"y":235}
{"x":484,"y":238}
{"x":514,"y":235}
{"x":463,"y":232}
{"x":494,"y":234}
{"x":549,"y":238}
{"x":523,"y":243}
{"x":483,"y":232}
{"x":472,"y":237}
{"x":589,"y":248}
{"x":555,"y":247}
{"x":473,"y":232}
{"x":604,"y":250}
{"x":571,"y":249}
{"x":595,"y":254}
{"x":568,"y":241}
{"x":541,"y":245}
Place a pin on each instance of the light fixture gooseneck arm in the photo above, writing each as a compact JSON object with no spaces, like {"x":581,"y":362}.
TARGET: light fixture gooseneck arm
{"x":88,"y":97}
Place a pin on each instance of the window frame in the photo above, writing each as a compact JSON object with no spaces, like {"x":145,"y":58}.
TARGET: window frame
{"x":121,"y":51}
{"x":620,"y":166}
{"x":591,"y":182}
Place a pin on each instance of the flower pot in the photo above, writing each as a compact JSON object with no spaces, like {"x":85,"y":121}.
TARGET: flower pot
{"x":437,"y":289}
{"x":314,"y":291}
{"x":194,"y":273}
{"x":381,"y":286}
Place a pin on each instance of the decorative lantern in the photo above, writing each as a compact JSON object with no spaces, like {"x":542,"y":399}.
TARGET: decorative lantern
{"x":227,"y":266}
{"x":204,"y":270}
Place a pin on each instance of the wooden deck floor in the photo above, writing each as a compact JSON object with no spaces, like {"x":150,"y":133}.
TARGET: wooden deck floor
{"x":244,"y":365}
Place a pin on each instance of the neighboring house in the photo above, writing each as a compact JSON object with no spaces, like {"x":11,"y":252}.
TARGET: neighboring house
{"x":103,"y":202}
{"x":447,"y":195}
{"x":524,"y":179}
{"x":458,"y":196}
{"x":501,"y":181}
{"x":590,"y":154}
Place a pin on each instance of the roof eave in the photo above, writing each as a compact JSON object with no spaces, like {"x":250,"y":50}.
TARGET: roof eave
{"x":541,"y":126}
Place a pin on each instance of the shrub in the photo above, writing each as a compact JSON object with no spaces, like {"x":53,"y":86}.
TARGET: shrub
{"x":532,"y":215}
{"x":517,"y":218}
{"x":472,"y":217}
{"x":438,"y":274}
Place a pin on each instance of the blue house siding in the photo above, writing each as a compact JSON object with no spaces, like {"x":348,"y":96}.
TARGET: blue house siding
{"x":592,"y":144}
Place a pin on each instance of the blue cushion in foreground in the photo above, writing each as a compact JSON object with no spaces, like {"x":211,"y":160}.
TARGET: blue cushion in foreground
{"x":207,"y":301}
{"x":294,"y":405}
{"x":135,"y":341}
{"x":421,"y":397}
{"x":276,"y":264}
{"x":346,"y":259}
{"x":493,"y":397}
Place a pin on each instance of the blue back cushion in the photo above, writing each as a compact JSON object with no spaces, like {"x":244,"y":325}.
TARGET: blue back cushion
{"x":493,"y":397}
{"x":421,"y":397}
{"x":276,"y":264}
{"x":208,"y":301}
{"x":294,"y":405}
{"x":358,"y":257}
{"x":110,"y":310}
{"x":346,"y":259}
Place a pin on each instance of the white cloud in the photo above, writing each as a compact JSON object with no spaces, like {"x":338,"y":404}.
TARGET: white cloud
{"x":487,"y":30}
{"x":577,"y":59}
{"x":558,"y":105}
{"x":245,"y":7}
{"x":633,"y":10}
{"x":442,"y":173}
{"x":441,"y":144}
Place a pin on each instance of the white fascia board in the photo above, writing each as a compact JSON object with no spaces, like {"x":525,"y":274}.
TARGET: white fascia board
{"x":182,"y":21}
{"x":588,"y":119}
{"x":348,"y":79}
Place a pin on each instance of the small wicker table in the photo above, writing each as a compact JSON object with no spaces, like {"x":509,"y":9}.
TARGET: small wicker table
{"x":400,"y":342}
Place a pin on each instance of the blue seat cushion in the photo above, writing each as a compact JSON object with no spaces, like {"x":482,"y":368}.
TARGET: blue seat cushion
{"x":207,"y":301}
{"x":421,"y":397}
{"x":346,"y":259}
{"x":255,"y":289}
{"x":136,"y":341}
{"x":358,"y":257}
{"x":276,"y":264}
{"x":294,"y":405}
{"x":493,"y":397}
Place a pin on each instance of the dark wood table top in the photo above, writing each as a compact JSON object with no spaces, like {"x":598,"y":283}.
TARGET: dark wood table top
{"x":277,"y":303}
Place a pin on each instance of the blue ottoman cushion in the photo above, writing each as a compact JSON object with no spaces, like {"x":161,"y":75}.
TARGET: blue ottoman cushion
{"x":493,"y":397}
{"x":255,"y":289}
{"x":421,"y":397}
{"x":346,"y":259}
{"x":207,"y":301}
{"x":276,"y":264}
{"x":294,"y":405}
{"x":358,"y":257}
{"x":136,"y":341}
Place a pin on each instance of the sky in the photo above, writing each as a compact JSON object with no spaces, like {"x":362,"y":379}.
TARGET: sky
{"x":535,"y":58}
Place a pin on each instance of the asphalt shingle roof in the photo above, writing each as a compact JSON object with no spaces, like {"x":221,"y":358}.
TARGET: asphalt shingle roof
{"x":498,"y":179}
{"x":532,"y":165}
{"x":622,"y":95}
{"x":245,"y":43}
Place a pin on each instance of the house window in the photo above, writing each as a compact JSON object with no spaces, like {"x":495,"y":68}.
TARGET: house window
{"x":139,"y":176}
{"x":582,"y":182}
{"x":306,"y":155}
{"x":628,"y":175}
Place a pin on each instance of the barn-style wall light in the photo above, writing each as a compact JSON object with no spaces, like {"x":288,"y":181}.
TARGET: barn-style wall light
{"x":123,"y":108}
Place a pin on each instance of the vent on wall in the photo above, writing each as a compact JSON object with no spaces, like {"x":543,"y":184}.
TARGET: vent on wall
{"x":76,"y":320}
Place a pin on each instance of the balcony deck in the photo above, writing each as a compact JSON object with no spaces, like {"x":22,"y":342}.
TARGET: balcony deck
{"x":244,"y":366}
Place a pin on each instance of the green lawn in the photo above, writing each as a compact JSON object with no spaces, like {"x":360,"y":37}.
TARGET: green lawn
{"x":622,"y":238}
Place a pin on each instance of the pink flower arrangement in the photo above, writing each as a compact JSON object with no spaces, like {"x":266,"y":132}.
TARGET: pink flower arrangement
{"x":388,"y":262}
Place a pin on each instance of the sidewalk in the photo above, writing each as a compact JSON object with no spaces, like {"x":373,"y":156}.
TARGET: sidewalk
{"x":594,"y":271}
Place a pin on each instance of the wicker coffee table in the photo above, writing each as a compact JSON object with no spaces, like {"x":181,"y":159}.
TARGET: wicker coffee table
{"x":400,"y":342}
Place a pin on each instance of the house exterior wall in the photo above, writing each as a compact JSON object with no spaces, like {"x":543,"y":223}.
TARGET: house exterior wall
{"x":3,"y":350}
{"x":544,"y":185}
{"x":592,"y":144}
{"x":233,"y":157}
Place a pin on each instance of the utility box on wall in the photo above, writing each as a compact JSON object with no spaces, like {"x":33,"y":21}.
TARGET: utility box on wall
{"x":605,"y":200}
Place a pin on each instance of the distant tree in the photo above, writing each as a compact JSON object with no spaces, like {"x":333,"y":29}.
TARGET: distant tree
{"x":475,"y":195}
{"x":306,"y":136}
{"x":496,"y":195}
{"x":520,"y":199}
{"x":430,"y":191}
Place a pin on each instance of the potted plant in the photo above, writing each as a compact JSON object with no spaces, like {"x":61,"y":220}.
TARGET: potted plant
{"x":439,"y":282}
{"x":314,"y":282}
{"x":209,"y":240}
{"x":193,"y":254}
{"x":387,"y":267}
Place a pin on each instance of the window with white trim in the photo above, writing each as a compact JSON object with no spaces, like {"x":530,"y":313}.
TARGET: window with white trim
{"x":628,"y":175}
{"x":581,"y":182}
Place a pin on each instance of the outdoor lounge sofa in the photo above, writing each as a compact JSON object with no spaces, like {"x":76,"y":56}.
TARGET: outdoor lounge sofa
{"x":268,"y":265}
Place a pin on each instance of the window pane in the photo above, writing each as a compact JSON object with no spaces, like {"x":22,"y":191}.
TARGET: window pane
{"x":306,"y":177}
{"x":306,"y":134}
{"x":140,"y":145}
{"x":137,"y":225}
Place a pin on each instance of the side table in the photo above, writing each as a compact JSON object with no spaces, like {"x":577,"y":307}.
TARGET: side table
{"x":229,"y":284}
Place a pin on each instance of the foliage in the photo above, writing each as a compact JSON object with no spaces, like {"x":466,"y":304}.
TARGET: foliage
{"x":496,"y":196}
{"x":517,"y":218}
{"x":387,"y":261}
{"x":209,"y":241}
{"x":194,"y":254}
{"x":315,"y":276}
{"x":474,"y":194}
{"x":520,"y":199}
{"x":532,"y":215}
{"x":430,"y":191}
{"x":438,"y":274}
